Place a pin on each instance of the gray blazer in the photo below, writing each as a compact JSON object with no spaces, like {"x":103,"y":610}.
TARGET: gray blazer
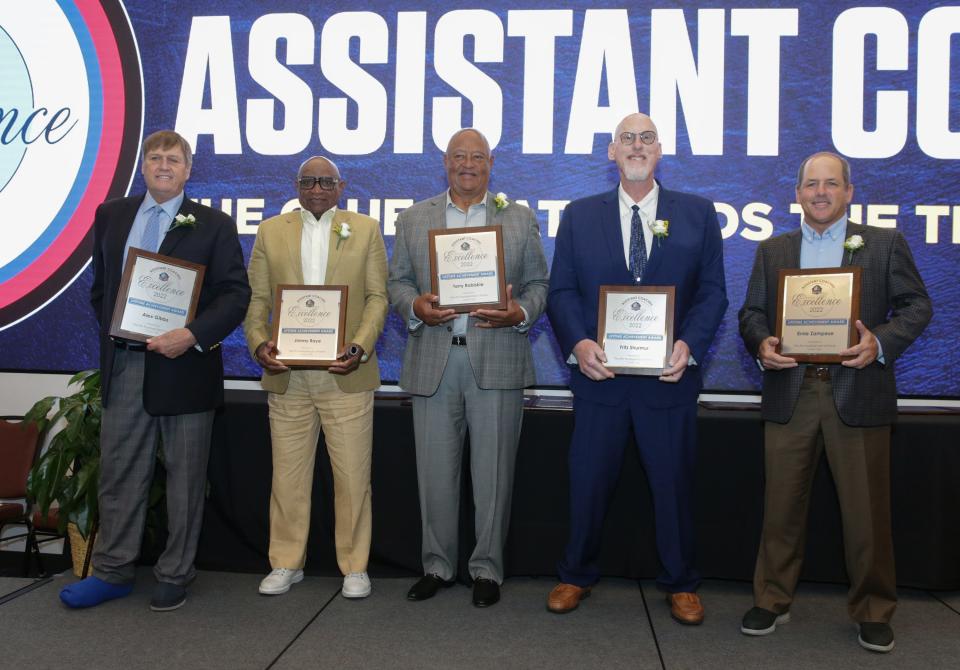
{"x":894,"y":305}
{"x":501,"y":357}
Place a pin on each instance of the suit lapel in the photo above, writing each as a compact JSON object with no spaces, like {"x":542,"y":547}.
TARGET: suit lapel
{"x":438,"y":214}
{"x":658,"y":246}
{"x":292,"y":232}
{"x":794,"y":237}
{"x":120,"y":231}
{"x":335,"y":246}
{"x":852,"y":229}
{"x":612,"y":234}
{"x":173,"y":237}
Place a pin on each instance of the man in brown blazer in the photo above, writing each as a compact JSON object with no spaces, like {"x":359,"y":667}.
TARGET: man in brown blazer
{"x":844,"y":409}
{"x":320,"y":245}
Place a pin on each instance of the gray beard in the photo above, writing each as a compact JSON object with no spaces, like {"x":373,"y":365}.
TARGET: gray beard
{"x":634,"y":173}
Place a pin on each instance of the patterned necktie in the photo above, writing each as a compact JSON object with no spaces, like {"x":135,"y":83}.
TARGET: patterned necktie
{"x":638,"y":250}
{"x":150,"y":240}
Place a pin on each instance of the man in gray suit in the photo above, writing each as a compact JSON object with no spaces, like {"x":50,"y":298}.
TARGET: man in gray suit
{"x":466,"y":371}
{"x":845,"y":410}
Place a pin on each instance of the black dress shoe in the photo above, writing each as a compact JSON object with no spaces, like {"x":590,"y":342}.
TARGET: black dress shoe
{"x":427,"y":587}
{"x":486,"y":592}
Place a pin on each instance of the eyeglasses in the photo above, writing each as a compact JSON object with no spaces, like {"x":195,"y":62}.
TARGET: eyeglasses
{"x":326,"y":183}
{"x":647,"y":137}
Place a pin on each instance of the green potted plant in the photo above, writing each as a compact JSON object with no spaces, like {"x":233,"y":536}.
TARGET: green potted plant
{"x":69,"y":470}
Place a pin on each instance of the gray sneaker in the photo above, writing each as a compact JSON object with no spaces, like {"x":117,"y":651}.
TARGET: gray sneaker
{"x":167,"y":596}
{"x":759,"y":621}
{"x":876,"y":637}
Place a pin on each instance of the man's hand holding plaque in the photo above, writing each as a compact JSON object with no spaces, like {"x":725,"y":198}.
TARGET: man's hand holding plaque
{"x":635,"y":331}
{"x":817,"y":311}
{"x":500,"y":318}
{"x":466,"y":268}
{"x":157,"y":298}
{"x":308,"y":327}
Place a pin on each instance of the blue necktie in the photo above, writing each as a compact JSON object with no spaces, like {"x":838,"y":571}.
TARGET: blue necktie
{"x":638,"y":250}
{"x":150,"y":240}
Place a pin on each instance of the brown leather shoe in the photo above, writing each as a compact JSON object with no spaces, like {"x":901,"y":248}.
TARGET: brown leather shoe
{"x":566,"y":597}
{"x":686,"y":608}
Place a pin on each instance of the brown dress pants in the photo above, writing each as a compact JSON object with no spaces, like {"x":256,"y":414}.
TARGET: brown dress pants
{"x":859,"y":460}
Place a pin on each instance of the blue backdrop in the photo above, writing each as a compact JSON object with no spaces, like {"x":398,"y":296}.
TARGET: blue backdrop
{"x":710,"y":154}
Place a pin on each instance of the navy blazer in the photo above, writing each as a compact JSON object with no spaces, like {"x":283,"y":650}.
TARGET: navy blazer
{"x":192,"y":382}
{"x":589,"y":253}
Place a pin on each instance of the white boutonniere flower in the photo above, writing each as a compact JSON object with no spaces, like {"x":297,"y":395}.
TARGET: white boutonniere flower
{"x":853,"y":244}
{"x":500,"y":200}
{"x":660,"y":229}
{"x":181,"y":221}
{"x":343,"y":232}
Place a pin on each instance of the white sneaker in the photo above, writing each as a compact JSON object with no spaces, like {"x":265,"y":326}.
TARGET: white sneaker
{"x":356,"y":585}
{"x":279,"y":581}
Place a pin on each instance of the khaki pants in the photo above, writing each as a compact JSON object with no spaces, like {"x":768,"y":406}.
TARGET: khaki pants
{"x":313,"y":400}
{"x":859,"y":460}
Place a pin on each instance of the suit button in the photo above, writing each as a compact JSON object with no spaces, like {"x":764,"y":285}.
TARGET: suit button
{"x":449,"y":329}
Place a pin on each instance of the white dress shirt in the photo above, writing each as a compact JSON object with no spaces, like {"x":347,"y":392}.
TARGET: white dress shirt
{"x":315,"y":245}
{"x":648,"y":214}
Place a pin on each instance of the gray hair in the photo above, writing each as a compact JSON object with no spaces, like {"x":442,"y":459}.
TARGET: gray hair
{"x":844,"y":166}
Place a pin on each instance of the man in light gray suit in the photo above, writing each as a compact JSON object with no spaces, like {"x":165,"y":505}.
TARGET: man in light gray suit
{"x":466,"y":371}
{"x":845,"y":410}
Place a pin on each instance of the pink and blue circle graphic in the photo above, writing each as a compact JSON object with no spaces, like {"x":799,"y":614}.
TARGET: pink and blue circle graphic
{"x":70,"y":121}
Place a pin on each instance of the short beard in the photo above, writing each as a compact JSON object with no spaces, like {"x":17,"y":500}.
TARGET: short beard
{"x":636,"y":173}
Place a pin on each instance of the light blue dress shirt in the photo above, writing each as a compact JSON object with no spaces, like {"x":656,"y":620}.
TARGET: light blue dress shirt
{"x":169,"y":210}
{"x":825,"y":250}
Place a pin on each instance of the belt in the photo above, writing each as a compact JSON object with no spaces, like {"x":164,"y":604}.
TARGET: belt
{"x":130,"y":346}
{"x":821,"y":372}
{"x":460,"y":340}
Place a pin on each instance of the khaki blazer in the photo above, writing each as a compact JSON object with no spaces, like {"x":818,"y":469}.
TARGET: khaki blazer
{"x":360,"y":263}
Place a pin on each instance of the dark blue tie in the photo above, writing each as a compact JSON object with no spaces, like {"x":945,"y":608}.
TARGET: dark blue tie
{"x":638,"y":250}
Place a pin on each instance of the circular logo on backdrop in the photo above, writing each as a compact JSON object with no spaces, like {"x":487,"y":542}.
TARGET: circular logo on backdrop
{"x":71,"y":114}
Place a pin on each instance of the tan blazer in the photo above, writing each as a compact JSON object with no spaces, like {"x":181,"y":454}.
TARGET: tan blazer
{"x":360,"y":263}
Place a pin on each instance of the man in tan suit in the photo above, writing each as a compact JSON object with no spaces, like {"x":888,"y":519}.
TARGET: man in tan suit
{"x":320,"y":244}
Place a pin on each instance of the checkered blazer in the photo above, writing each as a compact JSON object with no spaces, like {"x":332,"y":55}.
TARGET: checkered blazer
{"x":501,"y":357}
{"x":894,"y":305}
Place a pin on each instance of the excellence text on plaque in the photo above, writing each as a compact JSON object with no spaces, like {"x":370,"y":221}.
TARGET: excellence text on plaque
{"x":817,"y":311}
{"x":635,"y":328}
{"x":466,"y":268}
{"x":308,"y":324}
{"x":157,"y":294}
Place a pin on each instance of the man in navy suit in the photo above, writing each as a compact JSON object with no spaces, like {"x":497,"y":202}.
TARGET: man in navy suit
{"x":609,"y":239}
{"x":165,"y":390}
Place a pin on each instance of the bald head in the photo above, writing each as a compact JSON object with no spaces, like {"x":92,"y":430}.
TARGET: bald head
{"x":634,"y":120}
{"x":319,"y":185}
{"x":315,"y":161}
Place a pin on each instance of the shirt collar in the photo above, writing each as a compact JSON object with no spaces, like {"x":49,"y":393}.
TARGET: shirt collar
{"x":170,"y":207}
{"x":310,"y":220}
{"x":836,"y":230}
{"x":644,"y":203}
{"x":450,"y":203}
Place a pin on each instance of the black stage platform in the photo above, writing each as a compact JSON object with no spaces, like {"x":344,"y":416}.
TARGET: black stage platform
{"x":926,"y":500}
